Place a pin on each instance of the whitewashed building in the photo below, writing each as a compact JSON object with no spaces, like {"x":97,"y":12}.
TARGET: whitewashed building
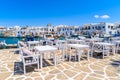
{"x":50,"y":28}
{"x":102,"y":27}
{"x":117,"y":24}
{"x":66,"y":30}
{"x":30,"y":30}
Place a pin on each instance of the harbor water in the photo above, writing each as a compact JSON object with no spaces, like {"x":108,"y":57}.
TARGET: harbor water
{"x":14,"y":40}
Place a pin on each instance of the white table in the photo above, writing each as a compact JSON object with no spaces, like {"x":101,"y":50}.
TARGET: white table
{"x":79,"y":47}
{"x":75,"y":41}
{"x":43,"y":49}
{"x":105,"y":44}
{"x":95,"y":40}
{"x":32,"y":43}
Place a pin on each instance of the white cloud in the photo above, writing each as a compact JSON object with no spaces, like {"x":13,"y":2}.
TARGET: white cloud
{"x":102,"y":17}
{"x":96,"y":16}
{"x":105,"y":16}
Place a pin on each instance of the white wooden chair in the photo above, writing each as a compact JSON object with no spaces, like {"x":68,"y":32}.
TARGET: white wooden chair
{"x":49,"y":42}
{"x":71,"y":52}
{"x":84,"y":52}
{"x":78,"y":52}
{"x":101,"y":48}
{"x":29,"y":58}
{"x":117,"y":47}
{"x":90,"y":43}
{"x":61,"y":48}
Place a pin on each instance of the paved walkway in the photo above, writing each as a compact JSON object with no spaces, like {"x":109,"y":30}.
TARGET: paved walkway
{"x":95,"y":69}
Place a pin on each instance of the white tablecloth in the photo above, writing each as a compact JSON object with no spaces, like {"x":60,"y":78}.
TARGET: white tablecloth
{"x":43,"y":49}
{"x":79,"y":47}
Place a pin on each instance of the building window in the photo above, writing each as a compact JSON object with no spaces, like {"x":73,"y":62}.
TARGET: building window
{"x":111,"y":27}
{"x":52,"y":30}
{"x":118,"y":32}
{"x":89,"y":27}
{"x":108,"y":26}
{"x":92,"y":27}
{"x":99,"y":28}
{"x":110,"y":32}
{"x":103,"y":26}
{"x":59,"y":30}
{"x":95,"y":27}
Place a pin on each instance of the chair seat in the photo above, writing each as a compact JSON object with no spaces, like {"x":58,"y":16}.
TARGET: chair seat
{"x":30,"y":63}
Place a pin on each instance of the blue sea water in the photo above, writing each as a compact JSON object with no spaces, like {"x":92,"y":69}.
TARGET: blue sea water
{"x":10,"y":40}
{"x":14,"y":40}
{"x":62,"y":38}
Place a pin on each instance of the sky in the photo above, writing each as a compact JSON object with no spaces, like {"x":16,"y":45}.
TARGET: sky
{"x":57,"y":12}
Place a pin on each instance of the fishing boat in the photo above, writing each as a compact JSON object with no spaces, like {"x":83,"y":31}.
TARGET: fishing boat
{"x":48,"y":37}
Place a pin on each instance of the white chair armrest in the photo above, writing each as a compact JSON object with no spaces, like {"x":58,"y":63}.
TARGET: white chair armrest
{"x":29,"y":56}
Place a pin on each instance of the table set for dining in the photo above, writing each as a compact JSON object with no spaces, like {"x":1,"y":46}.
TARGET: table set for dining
{"x":42,"y":49}
{"x":66,"y":47}
{"x":79,"y":48}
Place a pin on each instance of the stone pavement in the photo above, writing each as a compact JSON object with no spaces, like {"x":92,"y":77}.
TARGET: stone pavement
{"x":94,"y":69}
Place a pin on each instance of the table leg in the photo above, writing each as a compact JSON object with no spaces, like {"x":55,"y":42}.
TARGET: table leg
{"x":54,"y":59}
{"x":38,"y":57}
{"x":103,"y":52}
{"x":63,"y":54}
{"x":38,"y":62}
{"x":116,"y":50}
{"x":92,"y":50}
{"x":41,"y":60}
{"x":113,"y":50}
{"x":78,"y":55}
{"x":29,"y":47}
{"x":70,"y":55}
{"x":88,"y":54}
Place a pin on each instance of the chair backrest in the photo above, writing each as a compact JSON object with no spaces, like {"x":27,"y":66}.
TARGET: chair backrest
{"x":21,"y":45}
{"x":49,"y":42}
{"x":71,"y":41}
{"x":98,"y":47}
{"x":101,"y":48}
{"x":26,"y":52}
